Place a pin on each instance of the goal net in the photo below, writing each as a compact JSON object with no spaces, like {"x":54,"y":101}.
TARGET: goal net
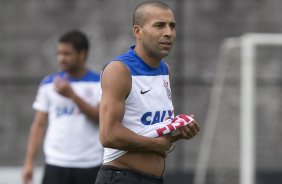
{"x":241,"y":139}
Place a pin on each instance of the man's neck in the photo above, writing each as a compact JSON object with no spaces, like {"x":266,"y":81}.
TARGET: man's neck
{"x":151,"y":61}
{"x":78,"y":73}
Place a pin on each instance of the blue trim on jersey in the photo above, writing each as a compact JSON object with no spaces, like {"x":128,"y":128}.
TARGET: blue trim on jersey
{"x":90,"y":76}
{"x":138,"y":67}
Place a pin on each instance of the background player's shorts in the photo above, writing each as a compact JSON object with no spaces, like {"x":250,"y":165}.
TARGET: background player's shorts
{"x":61,"y":175}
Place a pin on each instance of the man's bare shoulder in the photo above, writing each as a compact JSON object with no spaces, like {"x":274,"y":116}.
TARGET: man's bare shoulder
{"x":116,"y":77}
{"x":116,"y":66}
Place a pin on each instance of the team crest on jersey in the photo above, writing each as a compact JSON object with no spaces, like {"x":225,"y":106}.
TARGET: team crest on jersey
{"x":168,"y":91}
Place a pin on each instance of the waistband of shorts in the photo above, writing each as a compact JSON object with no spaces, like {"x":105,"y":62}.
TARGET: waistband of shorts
{"x":57,"y":166}
{"x":149,"y":176}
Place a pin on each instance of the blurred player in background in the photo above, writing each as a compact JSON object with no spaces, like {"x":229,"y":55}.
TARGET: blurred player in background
{"x":67,"y":108}
{"x":136,"y":94}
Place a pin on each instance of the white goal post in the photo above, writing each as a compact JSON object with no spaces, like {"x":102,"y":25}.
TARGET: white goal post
{"x":248,"y":91}
{"x":248,"y":44}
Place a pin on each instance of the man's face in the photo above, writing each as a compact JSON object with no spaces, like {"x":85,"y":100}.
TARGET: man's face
{"x":67,"y":57}
{"x":158,"y":31}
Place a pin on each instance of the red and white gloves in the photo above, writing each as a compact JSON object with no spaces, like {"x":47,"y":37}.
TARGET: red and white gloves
{"x":178,"y":122}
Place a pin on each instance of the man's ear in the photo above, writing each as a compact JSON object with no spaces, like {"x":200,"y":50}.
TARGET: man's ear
{"x":137,"y":31}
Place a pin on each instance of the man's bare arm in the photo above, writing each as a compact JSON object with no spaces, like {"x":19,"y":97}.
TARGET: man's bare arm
{"x":36,"y":136}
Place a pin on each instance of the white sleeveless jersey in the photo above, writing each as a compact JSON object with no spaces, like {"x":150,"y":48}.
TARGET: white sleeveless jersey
{"x":149,"y":101}
{"x":72,"y":140}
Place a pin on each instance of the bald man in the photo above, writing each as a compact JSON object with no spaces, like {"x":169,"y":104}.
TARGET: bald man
{"x":136,"y":95}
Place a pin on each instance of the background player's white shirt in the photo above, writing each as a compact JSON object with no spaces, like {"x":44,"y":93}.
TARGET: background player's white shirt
{"x":149,"y":101}
{"x":72,"y":140}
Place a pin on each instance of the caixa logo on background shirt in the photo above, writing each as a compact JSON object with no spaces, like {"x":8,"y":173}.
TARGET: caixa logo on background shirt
{"x":150,"y":118}
{"x":66,"y":111}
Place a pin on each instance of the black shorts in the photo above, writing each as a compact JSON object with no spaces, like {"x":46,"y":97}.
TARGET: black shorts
{"x":114,"y":175}
{"x":62,"y":175}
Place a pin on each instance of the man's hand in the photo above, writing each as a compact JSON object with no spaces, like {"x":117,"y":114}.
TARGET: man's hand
{"x":189,"y":131}
{"x":186,"y":132}
{"x":27,"y":173}
{"x":62,"y":86}
{"x":165,"y":145}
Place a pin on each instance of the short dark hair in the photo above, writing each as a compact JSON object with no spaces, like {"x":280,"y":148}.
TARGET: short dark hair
{"x":138,"y":15}
{"x":77,"y":38}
